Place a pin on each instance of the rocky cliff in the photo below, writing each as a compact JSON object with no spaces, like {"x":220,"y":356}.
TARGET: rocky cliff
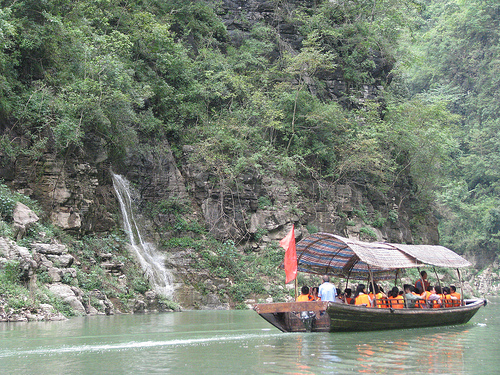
{"x":254,"y":209}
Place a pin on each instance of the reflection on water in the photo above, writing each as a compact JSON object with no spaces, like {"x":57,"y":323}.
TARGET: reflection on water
{"x":240,"y":342}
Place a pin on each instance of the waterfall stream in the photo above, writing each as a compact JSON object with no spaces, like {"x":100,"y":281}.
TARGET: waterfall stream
{"x":151,"y":261}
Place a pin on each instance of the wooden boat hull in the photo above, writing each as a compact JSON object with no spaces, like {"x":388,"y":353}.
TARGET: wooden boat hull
{"x":338,"y":317}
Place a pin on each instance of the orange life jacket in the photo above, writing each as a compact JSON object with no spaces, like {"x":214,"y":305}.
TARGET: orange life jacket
{"x":305,"y":298}
{"x":458,"y":301}
{"x":397,"y":302}
{"x":422,"y":303}
{"x":363,"y":299}
{"x":447,"y":301}
{"x":380,"y":300}
{"x":383,"y":303}
{"x":435,"y":304}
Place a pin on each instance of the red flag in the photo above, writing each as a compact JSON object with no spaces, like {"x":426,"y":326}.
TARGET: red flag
{"x":288,"y":243}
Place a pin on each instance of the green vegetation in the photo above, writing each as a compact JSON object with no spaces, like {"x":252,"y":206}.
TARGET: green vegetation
{"x":417,"y":112}
{"x":369,"y":232}
{"x":127,"y":72}
{"x":457,"y":65}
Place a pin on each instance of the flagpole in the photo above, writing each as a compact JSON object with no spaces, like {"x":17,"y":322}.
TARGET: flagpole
{"x":296,"y":288}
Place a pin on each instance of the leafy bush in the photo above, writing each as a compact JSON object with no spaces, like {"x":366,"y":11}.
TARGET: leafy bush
{"x":312,"y":228}
{"x":7,"y":202}
{"x":5,"y":229}
{"x":140,"y":285}
{"x":378,"y":222}
{"x":11,"y":273}
{"x":369,"y":232}
{"x":90,"y":280}
{"x":180,"y":242}
{"x":393,"y":216}
{"x":264,"y":202}
{"x":261,"y":232}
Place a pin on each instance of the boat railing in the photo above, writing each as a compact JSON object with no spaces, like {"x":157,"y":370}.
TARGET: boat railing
{"x":399,"y":304}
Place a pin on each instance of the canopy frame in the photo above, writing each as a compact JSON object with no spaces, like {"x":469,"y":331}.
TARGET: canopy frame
{"x":329,"y":254}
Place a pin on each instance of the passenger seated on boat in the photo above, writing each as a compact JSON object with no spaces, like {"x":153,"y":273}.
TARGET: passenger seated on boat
{"x":340,"y":296}
{"x":380,"y":298}
{"x":410,"y":296}
{"x":361,"y":298}
{"x":314,"y":293}
{"x":425,"y":296}
{"x":348,"y":296}
{"x":433,"y":299}
{"x":422,"y":284}
{"x":446,"y":297}
{"x":455,"y":294}
{"x":327,"y":291}
{"x":396,"y":301}
{"x":441,"y":296}
{"x":305,"y":296}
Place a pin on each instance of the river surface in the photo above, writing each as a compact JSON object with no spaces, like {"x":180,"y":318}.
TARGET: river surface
{"x":240,"y":342}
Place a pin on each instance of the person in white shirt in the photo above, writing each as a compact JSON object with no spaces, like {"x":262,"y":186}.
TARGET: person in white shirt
{"x":327,"y":291}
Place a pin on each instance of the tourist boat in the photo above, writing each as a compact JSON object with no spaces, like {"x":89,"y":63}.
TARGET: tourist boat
{"x":328,"y":254}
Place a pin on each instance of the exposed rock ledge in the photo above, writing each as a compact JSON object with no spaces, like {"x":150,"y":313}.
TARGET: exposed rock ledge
{"x":55,"y":260}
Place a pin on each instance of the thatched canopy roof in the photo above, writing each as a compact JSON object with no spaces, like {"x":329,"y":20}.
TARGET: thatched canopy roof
{"x":325,"y":253}
{"x":435,"y":255}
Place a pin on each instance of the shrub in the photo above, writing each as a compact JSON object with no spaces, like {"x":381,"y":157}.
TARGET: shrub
{"x":379,"y":222}
{"x":91,"y":280}
{"x":11,"y":272}
{"x":393,"y":216}
{"x":312,"y":228}
{"x":5,"y":229}
{"x":369,"y":232}
{"x":7,"y":202}
{"x":261,"y":232}
{"x":140,"y":285}
{"x":264,"y":202}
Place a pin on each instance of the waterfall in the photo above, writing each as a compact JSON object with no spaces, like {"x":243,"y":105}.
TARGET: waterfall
{"x":151,"y":261}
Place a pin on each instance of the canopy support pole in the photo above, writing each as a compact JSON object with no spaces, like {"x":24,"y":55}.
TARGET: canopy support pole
{"x":402,"y":286}
{"x":421,"y":280}
{"x":347,"y":279}
{"x":440,"y":287}
{"x":461,"y":288}
{"x":374,"y":302}
{"x":296,"y":288}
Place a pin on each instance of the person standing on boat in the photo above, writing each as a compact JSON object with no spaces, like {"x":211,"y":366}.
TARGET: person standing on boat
{"x":422,"y":284}
{"x":327,"y":291}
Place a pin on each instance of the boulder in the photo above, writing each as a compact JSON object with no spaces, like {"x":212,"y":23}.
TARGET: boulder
{"x":67,"y":294}
{"x":12,"y":251}
{"x":23,"y":218}
{"x":104,"y":305}
{"x":66,"y":220}
{"x":49,"y":248}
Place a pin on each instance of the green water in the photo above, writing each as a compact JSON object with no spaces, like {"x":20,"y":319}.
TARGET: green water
{"x":240,"y":342}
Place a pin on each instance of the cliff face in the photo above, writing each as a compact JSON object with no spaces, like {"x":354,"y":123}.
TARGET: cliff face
{"x":240,"y":16}
{"x":255,"y":209}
